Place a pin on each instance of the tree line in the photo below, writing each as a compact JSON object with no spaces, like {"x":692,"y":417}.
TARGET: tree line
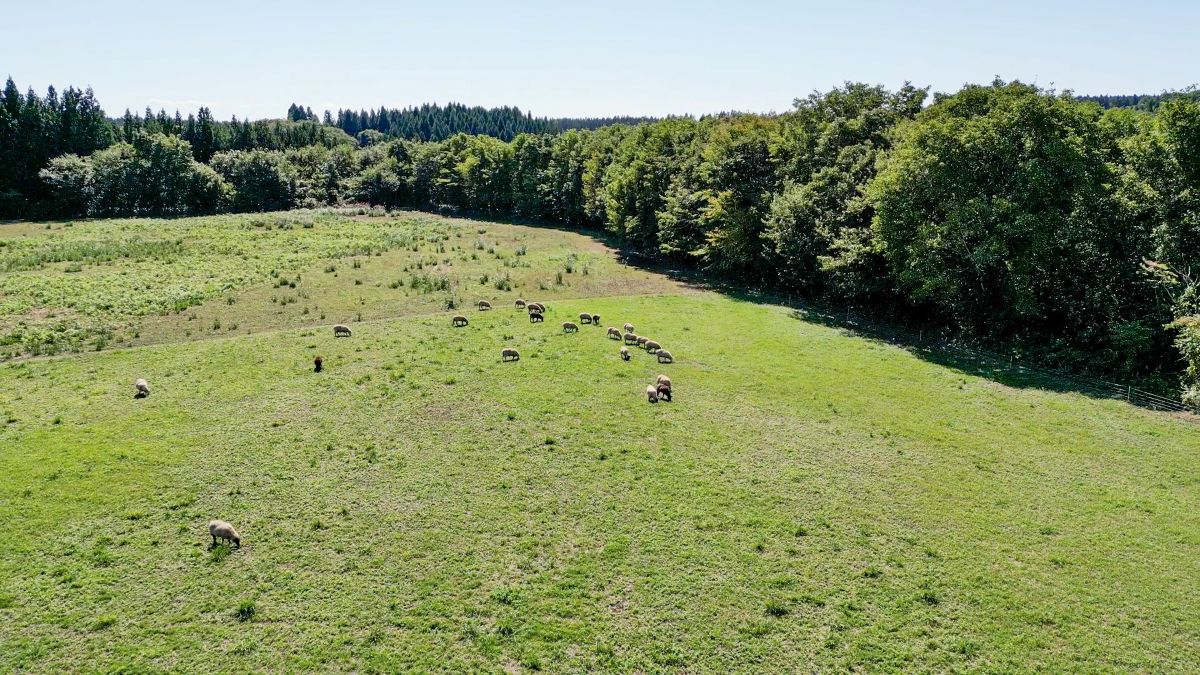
{"x":1004,"y":213}
{"x":431,"y":122}
{"x":1146,"y":102}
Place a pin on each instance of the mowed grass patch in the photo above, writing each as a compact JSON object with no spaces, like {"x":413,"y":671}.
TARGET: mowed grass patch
{"x":808,"y":498}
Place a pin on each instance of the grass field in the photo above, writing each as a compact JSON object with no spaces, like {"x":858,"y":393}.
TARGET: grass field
{"x":811,"y":500}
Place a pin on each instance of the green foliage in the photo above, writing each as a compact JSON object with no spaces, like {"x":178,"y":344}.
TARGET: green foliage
{"x":997,"y":212}
{"x":260,"y":179}
{"x":155,"y":175}
{"x":1187,"y":341}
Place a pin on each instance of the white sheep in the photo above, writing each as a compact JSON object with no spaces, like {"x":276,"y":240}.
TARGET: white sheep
{"x":341,"y":330}
{"x":664,"y":356}
{"x":630,"y":339}
{"x":652,"y":346}
{"x":641,"y":341}
{"x":509,"y":353}
{"x":628,"y":328}
{"x":652,"y":393}
{"x":614,"y":333}
{"x":663,"y":379}
{"x":519,"y":303}
{"x":584,"y":317}
{"x":220,"y":529}
{"x":625,"y":353}
{"x":484,"y":305}
{"x":142,"y":387}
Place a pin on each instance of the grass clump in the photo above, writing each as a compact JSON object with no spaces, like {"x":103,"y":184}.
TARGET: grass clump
{"x":245,"y":611}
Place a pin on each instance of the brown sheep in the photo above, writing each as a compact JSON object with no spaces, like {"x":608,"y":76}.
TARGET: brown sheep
{"x":534,"y":317}
{"x":630,"y":339}
{"x":569,"y":327}
{"x":652,"y":346}
{"x":484,"y":305}
{"x":536,"y":307}
{"x":652,"y":393}
{"x":663,"y":379}
{"x":142,"y":387}
{"x":458,"y":320}
{"x":614,"y":333}
{"x":641,"y":341}
{"x":318,"y":364}
{"x":341,"y":330}
{"x":508,"y":353}
{"x":628,"y":328}
{"x":220,"y":529}
{"x":625,"y":353}
{"x":519,"y":303}
{"x":584,"y":317}
{"x":664,"y":356}
{"x":664,"y":392}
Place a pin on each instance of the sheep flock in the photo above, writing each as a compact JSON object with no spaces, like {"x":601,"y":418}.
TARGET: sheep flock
{"x":658,"y":391}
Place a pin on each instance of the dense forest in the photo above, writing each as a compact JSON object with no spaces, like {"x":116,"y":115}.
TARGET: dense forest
{"x":432,"y":122}
{"x":1146,"y":102}
{"x":1003,"y":213}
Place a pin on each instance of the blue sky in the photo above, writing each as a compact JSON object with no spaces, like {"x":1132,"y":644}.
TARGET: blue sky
{"x":581,"y":59}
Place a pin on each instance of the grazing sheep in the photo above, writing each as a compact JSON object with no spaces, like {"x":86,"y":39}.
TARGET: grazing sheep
{"x":508,"y":353}
{"x":614,"y":333}
{"x":596,"y":319}
{"x":664,"y":392}
{"x":534,"y":317}
{"x":569,"y":327}
{"x":519,"y":303}
{"x":318,"y":364}
{"x":641,"y":341}
{"x":630,"y":339}
{"x":458,"y":320}
{"x":652,"y":346}
{"x":625,"y":353}
{"x":220,"y":529}
{"x":664,"y":356}
{"x":652,"y":393}
{"x":584,"y":317}
{"x":484,"y":305}
{"x":628,"y":328}
{"x":536,"y":307}
{"x":663,"y":379}
{"x":340,"y":331}
{"x":142,"y":387}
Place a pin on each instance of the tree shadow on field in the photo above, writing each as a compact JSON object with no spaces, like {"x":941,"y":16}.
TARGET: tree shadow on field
{"x":929,"y":345}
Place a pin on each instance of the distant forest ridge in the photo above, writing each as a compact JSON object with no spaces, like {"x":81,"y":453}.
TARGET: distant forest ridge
{"x":433,"y":122}
{"x":1146,"y":102}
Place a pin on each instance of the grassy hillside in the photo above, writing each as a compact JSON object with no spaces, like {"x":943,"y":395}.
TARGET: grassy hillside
{"x":811,"y":499}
